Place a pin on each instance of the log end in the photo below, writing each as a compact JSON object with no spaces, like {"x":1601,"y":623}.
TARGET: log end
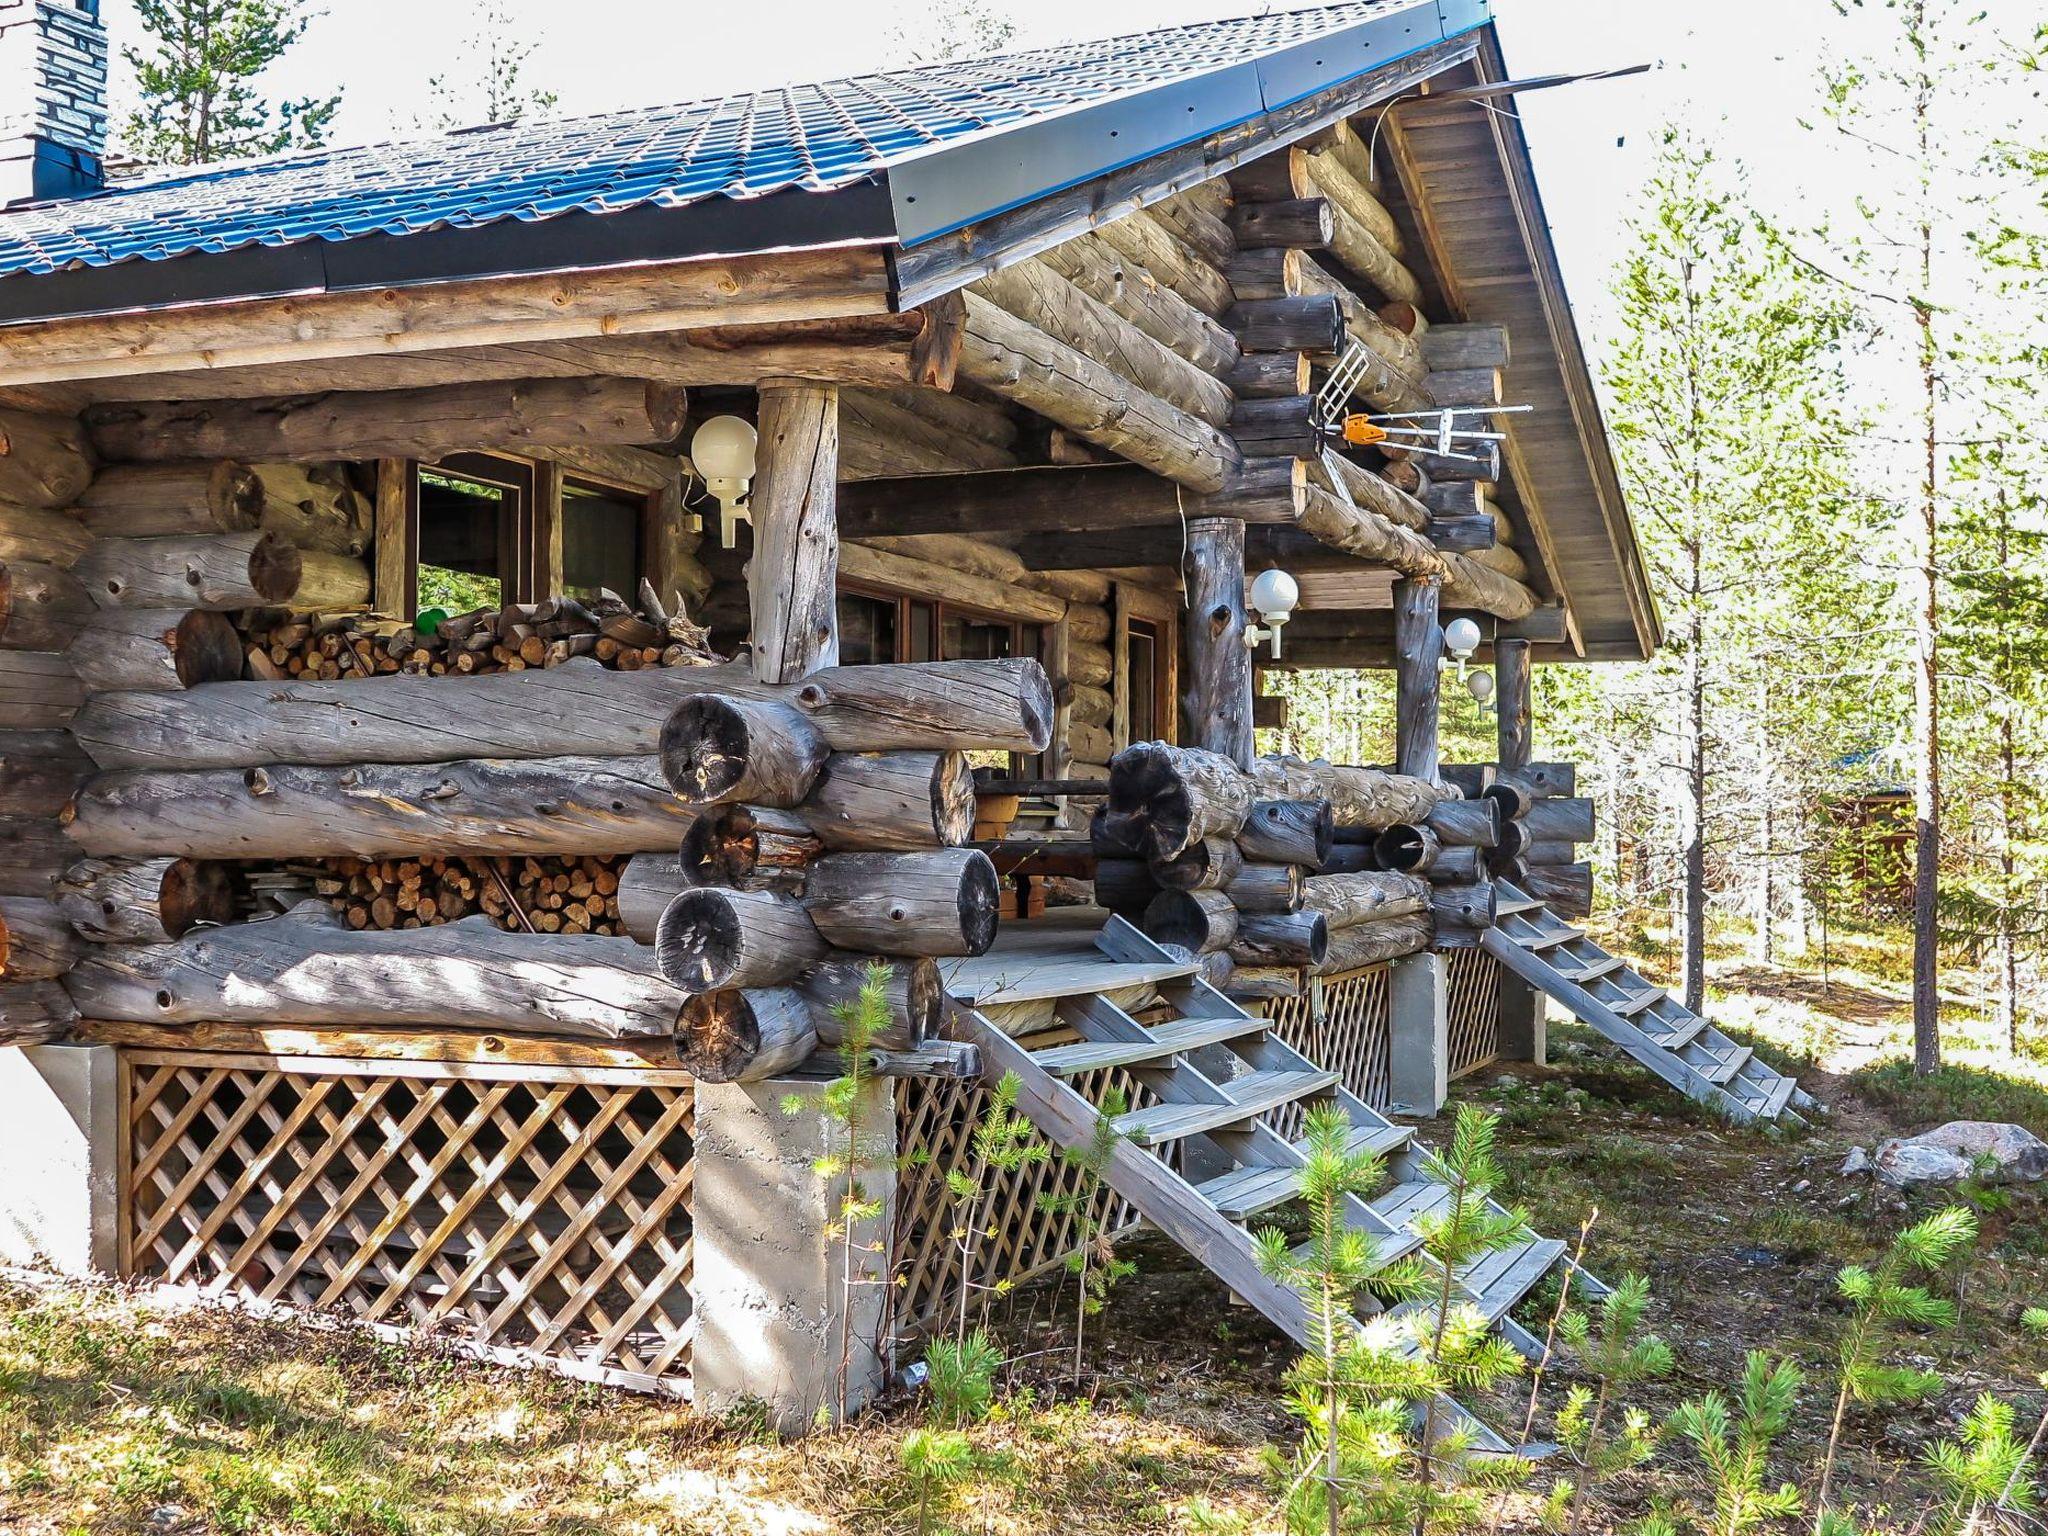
{"x":698,"y":940}
{"x":205,"y":649}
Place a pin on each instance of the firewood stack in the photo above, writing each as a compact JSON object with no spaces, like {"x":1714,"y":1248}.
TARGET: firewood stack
{"x":520,"y":895}
{"x":1231,"y":866}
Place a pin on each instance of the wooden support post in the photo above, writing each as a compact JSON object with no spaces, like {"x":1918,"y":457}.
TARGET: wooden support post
{"x":1418,"y":653}
{"x":1420,"y":1036}
{"x":793,"y":586}
{"x":1522,"y":1011}
{"x":1219,"y":662}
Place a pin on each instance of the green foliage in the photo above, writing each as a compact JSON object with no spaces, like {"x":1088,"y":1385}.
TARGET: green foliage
{"x":491,"y":87}
{"x":1618,"y":1354}
{"x":197,"y":80}
{"x":1003,"y":1143}
{"x":1094,"y":1263}
{"x":937,"y":1461}
{"x":961,"y":1374}
{"x":1734,"y":1445}
{"x":1982,"y":1468}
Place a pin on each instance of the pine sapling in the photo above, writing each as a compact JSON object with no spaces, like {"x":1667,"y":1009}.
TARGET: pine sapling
{"x":2034,"y":1323}
{"x":1618,"y":1355}
{"x":1736,"y":1448}
{"x":1094,"y":1263}
{"x":1564,"y":1299}
{"x":1004,"y":1142}
{"x":938,"y":1460}
{"x":1981,"y":1473}
{"x":962,"y":1377}
{"x":1881,"y":1300}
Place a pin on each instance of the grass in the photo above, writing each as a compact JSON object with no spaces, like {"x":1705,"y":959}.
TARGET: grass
{"x":134,"y":1412}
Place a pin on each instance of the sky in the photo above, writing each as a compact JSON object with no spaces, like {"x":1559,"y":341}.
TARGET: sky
{"x":1744,"y":69}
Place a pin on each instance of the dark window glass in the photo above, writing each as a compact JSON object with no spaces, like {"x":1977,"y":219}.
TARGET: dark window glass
{"x":923,"y":639}
{"x":600,"y":540}
{"x":1142,"y":682}
{"x":967,"y":639}
{"x":867,"y":629}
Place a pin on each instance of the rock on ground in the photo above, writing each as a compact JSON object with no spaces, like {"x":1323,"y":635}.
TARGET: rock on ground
{"x":1960,"y":1150}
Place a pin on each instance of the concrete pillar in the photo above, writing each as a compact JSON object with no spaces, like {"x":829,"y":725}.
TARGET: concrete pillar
{"x":770,"y":1293}
{"x":1420,"y":1034}
{"x":1521,"y":1012}
{"x":59,"y":1158}
{"x":1523,"y":1021}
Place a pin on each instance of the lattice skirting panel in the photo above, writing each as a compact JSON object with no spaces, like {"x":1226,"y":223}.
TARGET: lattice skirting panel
{"x":526,"y":1216}
{"x":935,"y":1121}
{"x":1473,"y":1009}
{"x":1341,"y":1024}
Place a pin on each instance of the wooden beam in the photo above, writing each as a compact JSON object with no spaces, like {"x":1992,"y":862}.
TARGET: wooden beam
{"x":1418,"y":655}
{"x":1062,"y":499}
{"x":1219,"y":662}
{"x":1511,"y":679}
{"x":794,"y":581}
{"x":615,"y":301}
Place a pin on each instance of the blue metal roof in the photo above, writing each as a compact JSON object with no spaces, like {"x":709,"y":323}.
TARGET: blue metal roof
{"x":1099,"y":105}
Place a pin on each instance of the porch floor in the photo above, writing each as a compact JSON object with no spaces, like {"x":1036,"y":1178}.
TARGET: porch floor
{"x":1049,"y":956}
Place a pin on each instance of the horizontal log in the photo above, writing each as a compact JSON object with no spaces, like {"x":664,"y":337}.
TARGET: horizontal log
{"x":1270,"y":376}
{"x":1272,"y":272}
{"x":1347,"y":900}
{"x":1198,"y":921}
{"x":710,"y":939}
{"x":1281,"y":938}
{"x":1392,"y":380}
{"x":33,"y":853}
{"x":1477,"y":345}
{"x":1288,"y":832}
{"x":753,"y":846}
{"x":38,"y":690}
{"x":1543,"y":781}
{"x":395,"y":424}
{"x":1460,"y":913}
{"x":1353,"y":244}
{"x":41,"y":606}
{"x":151,"y":649}
{"x":1266,"y":888}
{"x":44,"y":537}
{"x":1108,"y":276}
{"x":1022,"y":363}
{"x":1208,"y":865}
{"x":1476,"y":537}
{"x":480,"y":806}
{"x":1358,"y":797}
{"x":910,"y":991}
{"x":1125,"y":886}
{"x":220,"y":571}
{"x":143,"y":900}
{"x":1168,"y":260}
{"x":1567,"y":888}
{"x":308,"y":967}
{"x":1360,"y":486}
{"x":147,"y":501}
{"x":718,"y":747}
{"x":1464,"y":386}
{"x":1369,"y":535}
{"x":1353,"y":949}
{"x":1304,"y":223}
{"x":1328,"y":173}
{"x":315,"y":507}
{"x":648,"y":883}
{"x":1550,"y":852}
{"x":891,"y":801}
{"x":45,"y":461}
{"x":1056,"y":499}
{"x":39,"y":772}
{"x":575,"y":708}
{"x":943,"y":902}
{"x":1561,"y":819}
{"x":1164,"y":799}
{"x":744,"y":1037}
{"x":36,"y":942}
{"x":1276,"y":428}
{"x":1309,"y":323}
{"x":35,"y":1013}
{"x":1468,"y":584}
{"x":1465,"y":823}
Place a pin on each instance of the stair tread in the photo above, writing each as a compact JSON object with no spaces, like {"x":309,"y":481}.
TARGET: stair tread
{"x":995,"y":978}
{"x":1167,"y":1040}
{"x":1250,"y":1095}
{"x":1636,"y":1002}
{"x":1727,"y":1068}
{"x":1780,"y":1096}
{"x":1606,"y":965}
{"x":1510,"y":906}
{"x":1256,"y":1187}
{"x":1401,"y":1204}
{"x":1681,"y":1034}
{"x":1549,"y":938}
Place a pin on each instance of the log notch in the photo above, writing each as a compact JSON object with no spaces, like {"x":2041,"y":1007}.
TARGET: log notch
{"x":716,"y":748}
{"x":1198,"y":921}
{"x":41,"y":606}
{"x":743,"y":1037}
{"x":891,"y":801}
{"x":712,"y":938}
{"x":1418,"y":661}
{"x":943,"y":902}
{"x":36,"y":942}
{"x":149,"y":649}
{"x":753,"y":846}
{"x":1209,"y":865}
{"x":395,"y":424}
{"x":1288,"y":832}
{"x":220,"y":571}
{"x":308,"y":967}
{"x":1164,"y":799}
{"x":648,"y":883}
{"x":576,"y":708}
{"x":45,"y":461}
{"x":793,"y":585}
{"x":143,"y":901}
{"x":913,"y":993}
{"x":196,"y":496}
{"x":560,"y":805}
{"x":1219,"y":662}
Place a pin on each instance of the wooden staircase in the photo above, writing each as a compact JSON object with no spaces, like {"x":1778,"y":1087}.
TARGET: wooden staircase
{"x":1212,"y":1148}
{"x":1644,"y":1020}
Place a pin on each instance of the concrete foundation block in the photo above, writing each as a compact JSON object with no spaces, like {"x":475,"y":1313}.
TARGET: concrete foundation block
{"x":1420,"y":1034}
{"x":60,"y":1144}
{"x":771,"y":1294}
{"x":1523,"y":1021}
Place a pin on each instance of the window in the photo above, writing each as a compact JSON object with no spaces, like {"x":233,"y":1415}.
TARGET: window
{"x":878,"y":626}
{"x":475,"y":521}
{"x":1145,"y":681}
{"x":602,"y":530}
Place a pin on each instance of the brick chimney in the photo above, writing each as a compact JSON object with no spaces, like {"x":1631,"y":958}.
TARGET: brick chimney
{"x":53,"y":99}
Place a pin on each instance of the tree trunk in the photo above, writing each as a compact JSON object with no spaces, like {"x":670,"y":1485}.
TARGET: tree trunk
{"x":143,"y":900}
{"x":1926,"y":597}
{"x":742,"y":1037}
{"x":308,"y":967}
{"x":1198,"y":921}
{"x":795,"y":571}
{"x":1693,"y":909}
{"x":710,"y":939}
{"x":151,"y":649}
{"x":562,"y":805}
{"x":939,"y":903}
{"x":577,"y":707}
{"x":1288,"y":832}
{"x":717,"y":748}
{"x":1219,"y":663}
{"x":1418,"y":659}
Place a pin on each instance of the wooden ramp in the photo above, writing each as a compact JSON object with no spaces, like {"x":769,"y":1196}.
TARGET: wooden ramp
{"x":1644,"y":1020}
{"x":1212,"y":1150}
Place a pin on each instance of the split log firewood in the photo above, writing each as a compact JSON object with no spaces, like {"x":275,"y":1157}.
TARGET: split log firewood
{"x":711,"y":938}
{"x":35,"y":1013}
{"x":1173,"y":797}
{"x":220,"y":571}
{"x":1353,"y":949}
{"x":550,"y":894}
{"x":1359,"y":797}
{"x":577,"y":707}
{"x":561,"y":805}
{"x":1209,"y":865}
{"x":891,"y":801}
{"x":1266,"y":888}
{"x":744,"y":1036}
{"x":395,"y":424}
{"x":150,"y":649}
{"x":750,"y":846}
{"x":36,"y":942}
{"x":648,"y":883}
{"x":143,"y":901}
{"x":151,"y":501}
{"x":1198,"y":921}
{"x":1281,"y":938}
{"x":45,"y":461}
{"x":1347,"y":900}
{"x":50,"y":538}
{"x":716,"y":748}
{"x":1288,"y":832}
{"x":41,"y":606}
{"x":1124,"y":886}
{"x":308,"y":967}
{"x":944,"y":902}
{"x":913,"y":995}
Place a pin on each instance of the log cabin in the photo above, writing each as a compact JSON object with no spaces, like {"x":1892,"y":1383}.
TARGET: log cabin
{"x":503,"y":637}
